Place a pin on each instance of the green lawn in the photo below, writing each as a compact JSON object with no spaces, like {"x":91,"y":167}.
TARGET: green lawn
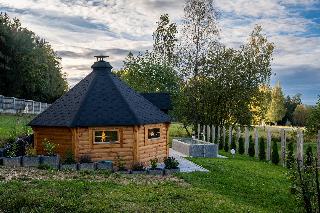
{"x":232,"y":185}
{"x":13,"y":126}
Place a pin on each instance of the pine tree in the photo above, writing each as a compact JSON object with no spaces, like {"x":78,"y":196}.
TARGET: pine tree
{"x":262,"y":149}
{"x":275,"y":153}
{"x":290,"y":156}
{"x":233,"y":142}
{"x":241,"y":146}
{"x":226,"y":145}
{"x":221,"y":143}
{"x":277,"y":108}
{"x":251,"y":147}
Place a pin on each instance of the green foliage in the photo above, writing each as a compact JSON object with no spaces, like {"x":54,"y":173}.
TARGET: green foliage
{"x":262,"y":149}
{"x":69,"y":157}
{"x":226,"y":145}
{"x":233,"y":142}
{"x":290,"y":156}
{"x":290,"y":104}
{"x":221,"y":145}
{"x":12,"y":152}
{"x":308,"y":161}
{"x":49,"y":147}
{"x":30,"y":151}
{"x":241,"y":146}
{"x":275,"y":153}
{"x":300,"y":115}
{"x":120,"y":163}
{"x":251,"y":151}
{"x":170,"y":163}
{"x":313,"y":124}
{"x":138,"y":167}
{"x":277,"y":108}
{"x":32,"y":67}
{"x":154,"y":163}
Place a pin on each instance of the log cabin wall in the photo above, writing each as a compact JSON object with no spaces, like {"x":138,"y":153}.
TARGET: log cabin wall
{"x":151,"y":148}
{"x":105,"y":151}
{"x":60,"y":136}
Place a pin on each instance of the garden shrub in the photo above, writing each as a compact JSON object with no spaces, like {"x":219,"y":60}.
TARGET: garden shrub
{"x":170,"y":163}
{"x":137,"y":167}
{"x":290,"y":156}
{"x":154,"y":163}
{"x":85,"y":159}
{"x":262,"y":149}
{"x":251,"y":147}
{"x":226,"y":146}
{"x":69,"y":157}
{"x":221,"y":143}
{"x":233,"y":142}
{"x":241,"y":146}
{"x":48,"y":147}
{"x":275,"y":153}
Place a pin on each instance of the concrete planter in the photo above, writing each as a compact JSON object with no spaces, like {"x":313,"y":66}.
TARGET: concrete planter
{"x":1,"y":152}
{"x":157,"y":171}
{"x":52,"y":161}
{"x":12,"y":161}
{"x":71,"y":167}
{"x":123,"y":172}
{"x":86,"y":166}
{"x":1,"y":161}
{"x":104,"y":165}
{"x":139,"y":172}
{"x":171,"y":171}
{"x":195,"y":148}
{"x":30,"y":161}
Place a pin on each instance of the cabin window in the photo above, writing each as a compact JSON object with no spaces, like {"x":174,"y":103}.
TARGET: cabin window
{"x":106,"y":136}
{"x":154,"y":133}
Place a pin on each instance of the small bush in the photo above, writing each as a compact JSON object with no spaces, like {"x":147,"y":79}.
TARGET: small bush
{"x":233,"y":142}
{"x":226,"y":146}
{"x":12,"y":151}
{"x":309,"y":157}
{"x":69,"y":157}
{"x":241,"y":146}
{"x":49,"y":147}
{"x":221,"y":143}
{"x":138,"y":167}
{"x":275,"y":153}
{"x":262,"y":149}
{"x":30,"y":151}
{"x":290,"y":156}
{"x":154,"y":163}
{"x":170,"y":163}
{"x":120,"y":164}
{"x":251,"y":147}
{"x":85,"y":159}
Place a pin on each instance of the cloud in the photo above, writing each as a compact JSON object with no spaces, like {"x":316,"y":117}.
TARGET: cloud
{"x":80,"y":29}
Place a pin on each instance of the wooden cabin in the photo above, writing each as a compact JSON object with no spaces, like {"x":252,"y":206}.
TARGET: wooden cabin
{"x":104,"y":118}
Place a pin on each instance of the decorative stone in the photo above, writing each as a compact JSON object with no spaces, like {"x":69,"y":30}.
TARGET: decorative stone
{"x":52,"y":161}
{"x":12,"y":161}
{"x":104,"y":165}
{"x":171,"y":171}
{"x":157,"y":171}
{"x":86,"y":166}
{"x":30,"y":161}
{"x":72,"y":167}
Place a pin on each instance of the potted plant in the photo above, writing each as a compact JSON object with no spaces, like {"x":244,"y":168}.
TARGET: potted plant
{"x":69,"y":163}
{"x":154,"y":170}
{"x":138,"y":168}
{"x":50,"y":159}
{"x":104,"y":165}
{"x":120,"y":164}
{"x":171,"y":165}
{"x":30,"y":159}
{"x":11,"y":159}
{"x":86,"y":163}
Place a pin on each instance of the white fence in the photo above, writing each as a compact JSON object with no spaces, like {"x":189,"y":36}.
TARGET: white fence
{"x":15,"y":105}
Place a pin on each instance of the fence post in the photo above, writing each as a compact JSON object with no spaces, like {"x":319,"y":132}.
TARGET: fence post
{"x":238,"y":134}
{"x":300,"y":146}
{"x":230,"y":136}
{"x":246,"y":143}
{"x":318,"y":147}
{"x":198,"y":132}
{"x":208,"y":133}
{"x":40,"y":107}
{"x":218,"y":134}
{"x":283,"y":147}
{"x":268,"y":144}
{"x":213,"y":133}
{"x":204,"y":133}
{"x":256,"y":141}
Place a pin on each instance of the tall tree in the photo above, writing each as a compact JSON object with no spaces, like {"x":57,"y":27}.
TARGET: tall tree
{"x":290,"y":104}
{"x":33,"y":68}
{"x":300,"y":115}
{"x":276,"y":109}
{"x":313,"y":120}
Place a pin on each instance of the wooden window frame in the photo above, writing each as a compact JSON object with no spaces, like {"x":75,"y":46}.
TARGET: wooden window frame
{"x":147,"y":133}
{"x":94,"y":130}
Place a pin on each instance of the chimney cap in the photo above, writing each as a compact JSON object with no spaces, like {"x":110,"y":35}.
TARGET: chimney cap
{"x":101,"y":57}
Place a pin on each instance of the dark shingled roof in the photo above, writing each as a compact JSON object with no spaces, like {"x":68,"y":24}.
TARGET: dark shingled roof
{"x":160,"y":100}
{"x":100,"y":99}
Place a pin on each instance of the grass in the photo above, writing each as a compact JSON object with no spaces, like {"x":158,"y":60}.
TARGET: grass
{"x":12,"y":126}
{"x":232,"y":185}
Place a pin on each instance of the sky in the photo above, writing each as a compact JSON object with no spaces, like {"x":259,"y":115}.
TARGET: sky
{"x":80,"y":29}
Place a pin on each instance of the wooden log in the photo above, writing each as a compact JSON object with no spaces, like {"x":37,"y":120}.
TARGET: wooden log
{"x":246,"y":140}
{"x":268,"y":157}
{"x":256,"y":143}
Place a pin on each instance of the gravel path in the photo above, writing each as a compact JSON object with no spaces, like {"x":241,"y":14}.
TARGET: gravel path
{"x":184,"y":164}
